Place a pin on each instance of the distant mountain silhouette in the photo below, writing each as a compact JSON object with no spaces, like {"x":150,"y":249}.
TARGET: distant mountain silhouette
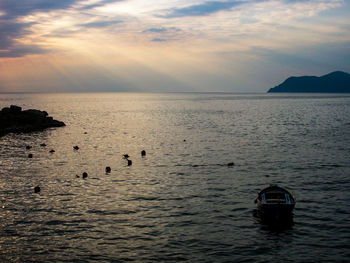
{"x":335,"y":82}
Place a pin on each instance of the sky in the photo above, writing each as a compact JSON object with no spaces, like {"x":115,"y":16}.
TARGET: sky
{"x":169,"y":46}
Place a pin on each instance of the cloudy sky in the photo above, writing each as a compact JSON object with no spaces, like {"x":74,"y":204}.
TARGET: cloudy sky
{"x":169,"y":45}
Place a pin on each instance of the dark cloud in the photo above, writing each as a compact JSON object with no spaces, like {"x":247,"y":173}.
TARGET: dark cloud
{"x":157,"y":39}
{"x":161,"y":30}
{"x":9,"y":47}
{"x":98,"y":24}
{"x":156,"y":30}
{"x":16,"y":50}
{"x":15,"y":9}
{"x":100,"y":3}
{"x":206,"y":8}
{"x":162,"y":34}
{"x":11,"y":30}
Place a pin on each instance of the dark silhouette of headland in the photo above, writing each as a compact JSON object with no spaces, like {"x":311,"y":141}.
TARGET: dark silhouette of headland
{"x":335,"y":82}
{"x":15,"y":120}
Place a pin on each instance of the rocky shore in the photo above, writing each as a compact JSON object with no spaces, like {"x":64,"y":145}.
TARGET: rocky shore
{"x":15,"y":120}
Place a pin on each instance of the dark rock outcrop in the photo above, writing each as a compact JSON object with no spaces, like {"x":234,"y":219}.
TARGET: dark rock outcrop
{"x":13,"y":119}
{"x":335,"y":82}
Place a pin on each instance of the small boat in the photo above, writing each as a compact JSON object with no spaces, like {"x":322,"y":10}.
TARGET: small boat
{"x":276,"y":202}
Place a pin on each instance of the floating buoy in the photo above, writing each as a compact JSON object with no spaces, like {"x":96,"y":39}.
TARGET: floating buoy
{"x":143,"y":153}
{"x":43,"y":144}
{"x":52,"y":151}
{"x":108,"y":169}
{"x":76,"y":147}
{"x":231,"y":164}
{"x":30,"y":155}
{"x":37,"y":189}
{"x":184,"y":140}
{"x":126,"y":156}
{"x":129,"y":162}
{"x":85,"y":175}
{"x":28,"y":147}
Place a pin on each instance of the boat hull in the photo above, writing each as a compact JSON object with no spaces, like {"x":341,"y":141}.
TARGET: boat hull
{"x":276,"y":211}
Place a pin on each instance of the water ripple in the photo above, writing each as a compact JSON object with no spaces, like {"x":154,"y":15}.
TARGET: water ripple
{"x":180,"y":203}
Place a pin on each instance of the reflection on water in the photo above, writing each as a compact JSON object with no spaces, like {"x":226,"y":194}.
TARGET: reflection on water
{"x":180,"y":202}
{"x":274,"y":224}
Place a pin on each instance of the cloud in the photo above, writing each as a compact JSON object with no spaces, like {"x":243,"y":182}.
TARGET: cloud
{"x":13,"y":30}
{"x":99,"y":24}
{"x":155,"y":30}
{"x":10,"y":30}
{"x":15,"y":9}
{"x":162,"y":34}
{"x":100,"y":3}
{"x":17,"y":50}
{"x":9,"y":47}
{"x":159,"y":39}
{"x":161,"y":30}
{"x":204,"y":9}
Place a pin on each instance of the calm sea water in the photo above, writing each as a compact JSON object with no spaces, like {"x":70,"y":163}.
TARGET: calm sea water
{"x":180,"y":203}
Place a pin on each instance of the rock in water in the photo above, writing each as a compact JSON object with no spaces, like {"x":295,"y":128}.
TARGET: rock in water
{"x":14,"y":120}
{"x":37,"y":189}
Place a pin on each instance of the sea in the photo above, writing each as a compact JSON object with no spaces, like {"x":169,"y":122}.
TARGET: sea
{"x":181,"y":202}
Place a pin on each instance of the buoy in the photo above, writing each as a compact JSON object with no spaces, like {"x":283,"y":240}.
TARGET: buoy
{"x":230,"y":164}
{"x":76,"y":147}
{"x":143,"y":153}
{"x":52,"y":151}
{"x":28,"y":147}
{"x":43,"y":144}
{"x":108,"y":169}
{"x":126,"y":156}
{"x":184,"y":140}
{"x":30,"y":155}
{"x":129,"y":162}
{"x":85,"y":175}
{"x":37,"y":189}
